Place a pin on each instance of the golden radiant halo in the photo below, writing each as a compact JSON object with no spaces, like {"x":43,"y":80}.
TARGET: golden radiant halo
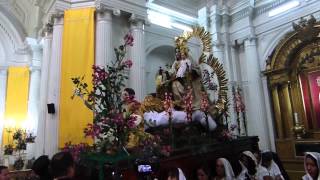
{"x":217,"y":67}
{"x":197,"y":32}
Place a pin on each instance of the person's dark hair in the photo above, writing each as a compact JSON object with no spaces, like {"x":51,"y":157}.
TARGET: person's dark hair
{"x":173,"y":172}
{"x":2,"y":168}
{"x":41,"y":167}
{"x":130,"y":92}
{"x":313,"y":159}
{"x":205,"y":169}
{"x":60,"y":164}
{"x":160,"y":70}
{"x":251,"y":165}
{"x":266,"y":157}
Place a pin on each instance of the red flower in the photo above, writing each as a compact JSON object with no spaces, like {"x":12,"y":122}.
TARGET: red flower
{"x":132,"y":122}
{"x":92,"y":130}
{"x":167,"y":103}
{"x":188,"y":98}
{"x":128,"y":38}
{"x":204,"y":102}
{"x":99,"y":74}
{"x":128,"y":63}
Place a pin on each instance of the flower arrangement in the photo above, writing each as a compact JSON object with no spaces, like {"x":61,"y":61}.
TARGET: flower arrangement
{"x":188,"y":98}
{"x":229,"y":134}
{"x":20,"y":139}
{"x":239,"y":108}
{"x":111,"y":126}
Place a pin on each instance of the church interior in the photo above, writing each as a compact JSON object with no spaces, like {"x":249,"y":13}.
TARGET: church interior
{"x":160,"y":89}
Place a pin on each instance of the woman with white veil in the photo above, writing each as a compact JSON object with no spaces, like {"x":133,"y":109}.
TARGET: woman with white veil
{"x":311,"y":166}
{"x":176,"y":174}
{"x":224,"y":170}
{"x":251,"y":169}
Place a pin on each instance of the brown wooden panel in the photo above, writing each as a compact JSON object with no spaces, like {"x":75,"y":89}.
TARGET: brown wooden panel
{"x":285,"y":149}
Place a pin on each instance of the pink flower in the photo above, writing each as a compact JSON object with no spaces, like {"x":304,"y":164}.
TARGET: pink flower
{"x":99,"y":74}
{"x":204,"y":102}
{"x":118,"y":119}
{"x":238,"y":103}
{"x":188,"y":99}
{"x":128,"y":38}
{"x":92,"y":130}
{"x":167,"y":103}
{"x":128,"y":63}
{"x":131,"y":122}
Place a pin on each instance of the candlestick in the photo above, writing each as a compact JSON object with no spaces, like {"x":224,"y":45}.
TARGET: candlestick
{"x":298,"y":129}
{"x":296,"y":118}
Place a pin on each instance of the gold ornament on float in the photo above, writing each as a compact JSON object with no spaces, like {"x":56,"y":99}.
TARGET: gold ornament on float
{"x":206,"y":63}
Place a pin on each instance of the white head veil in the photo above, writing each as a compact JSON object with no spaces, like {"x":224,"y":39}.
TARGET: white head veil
{"x":250,"y":155}
{"x":316,"y":156}
{"x":181,"y":175}
{"x":227,"y":169}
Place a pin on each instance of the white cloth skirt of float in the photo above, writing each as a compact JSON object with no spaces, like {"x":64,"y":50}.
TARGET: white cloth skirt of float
{"x":155,"y":119}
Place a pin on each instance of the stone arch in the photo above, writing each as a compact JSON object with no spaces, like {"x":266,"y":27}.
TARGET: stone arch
{"x":158,"y":56}
{"x":12,"y":35}
{"x":157,"y":44}
{"x":268,"y":51}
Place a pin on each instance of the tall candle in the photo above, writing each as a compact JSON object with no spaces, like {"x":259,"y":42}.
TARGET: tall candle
{"x":296,"y":118}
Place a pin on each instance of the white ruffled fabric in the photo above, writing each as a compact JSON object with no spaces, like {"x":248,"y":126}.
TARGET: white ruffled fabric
{"x":184,"y":65}
{"x":155,"y":119}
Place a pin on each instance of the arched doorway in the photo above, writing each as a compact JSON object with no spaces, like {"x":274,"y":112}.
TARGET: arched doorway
{"x":161,"y":56}
{"x":293,"y":72}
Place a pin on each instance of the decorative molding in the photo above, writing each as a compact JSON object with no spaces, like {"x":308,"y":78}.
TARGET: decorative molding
{"x":240,"y":15}
{"x":138,"y":10}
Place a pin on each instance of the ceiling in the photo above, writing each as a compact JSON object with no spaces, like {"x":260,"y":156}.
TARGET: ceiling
{"x":189,"y":7}
{"x":30,"y":14}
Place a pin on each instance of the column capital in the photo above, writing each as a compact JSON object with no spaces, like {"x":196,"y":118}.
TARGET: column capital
{"x":105,"y":13}
{"x":34,"y":68}
{"x":48,"y":29}
{"x":226,"y":19}
{"x":3,"y":69}
{"x":57,"y":17}
{"x":250,"y":41}
{"x":136,"y":20}
{"x":219,"y":45}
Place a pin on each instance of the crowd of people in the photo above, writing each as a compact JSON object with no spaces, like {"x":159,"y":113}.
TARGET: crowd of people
{"x":253,"y":166}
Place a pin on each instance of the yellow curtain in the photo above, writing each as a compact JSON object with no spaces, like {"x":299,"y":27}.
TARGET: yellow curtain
{"x":77,"y":60}
{"x":16,"y":108}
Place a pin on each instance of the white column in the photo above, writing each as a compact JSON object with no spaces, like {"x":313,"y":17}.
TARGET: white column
{"x":137,"y":54}
{"x":104,"y":50}
{"x":40,"y":139}
{"x":215,"y":30}
{"x":235,"y":63}
{"x":34,"y":86}
{"x":3,"y":88}
{"x":203,"y":17}
{"x":256,"y":114}
{"x":52,"y":120}
{"x":269,"y":116}
{"x":33,"y":106}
